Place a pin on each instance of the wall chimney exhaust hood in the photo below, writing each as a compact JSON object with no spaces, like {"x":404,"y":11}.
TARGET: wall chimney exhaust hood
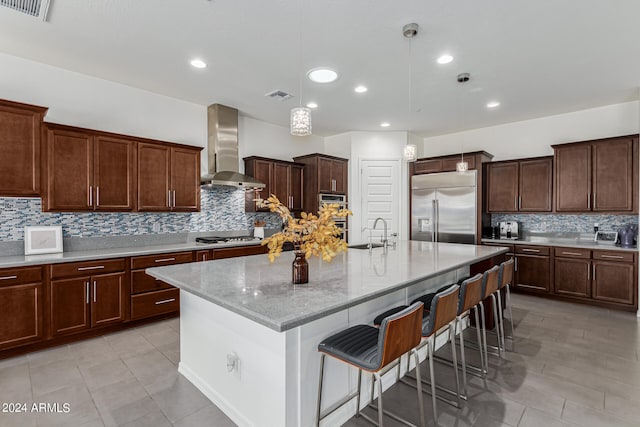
{"x":222,"y":149}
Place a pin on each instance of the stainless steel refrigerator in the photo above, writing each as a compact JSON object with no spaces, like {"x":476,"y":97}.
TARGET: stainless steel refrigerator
{"x":443,"y":207}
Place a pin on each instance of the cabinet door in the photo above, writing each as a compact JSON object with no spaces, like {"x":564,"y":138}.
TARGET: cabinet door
{"x":280,"y":183}
{"x":23,"y":324}
{"x":70,"y":305}
{"x":153,"y":177}
{"x":532,"y":273}
{"x":108,"y":299}
{"x":613,"y":175}
{"x":572,"y":277}
{"x":502,"y":186}
{"x":572,"y":170}
{"x":535,"y":184}
{"x":69,"y":164}
{"x":114,"y":174}
{"x":185,"y":180}
{"x":613,"y":282}
{"x":20,"y":147}
{"x":296,"y":187}
{"x":263,"y":172}
{"x":339,"y":176}
{"x":325,"y":179}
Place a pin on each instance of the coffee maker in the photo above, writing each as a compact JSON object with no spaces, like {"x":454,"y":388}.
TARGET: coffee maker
{"x":508,"y":230}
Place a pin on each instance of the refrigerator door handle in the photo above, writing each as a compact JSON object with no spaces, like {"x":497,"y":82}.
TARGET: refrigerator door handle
{"x":433,"y":221}
{"x":437,"y":219}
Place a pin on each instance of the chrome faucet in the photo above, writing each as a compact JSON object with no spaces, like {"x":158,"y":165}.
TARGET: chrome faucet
{"x":384,"y":238}
{"x":369,"y":245}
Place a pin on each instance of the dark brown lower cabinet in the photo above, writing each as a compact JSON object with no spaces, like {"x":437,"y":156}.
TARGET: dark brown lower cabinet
{"x":532,"y":273}
{"x":572,"y":277}
{"x":613,"y":281}
{"x":81,"y":303}
{"x":21,"y":301}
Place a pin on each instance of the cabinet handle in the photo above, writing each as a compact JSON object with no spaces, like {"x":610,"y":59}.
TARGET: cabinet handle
{"x":168,"y":198}
{"x":519,"y":202}
{"x":530,"y":250}
{"x":515,"y":267}
{"x":165,"y":259}
{"x":588,"y":273}
{"x":589,"y":201}
{"x":87,"y":291}
{"x":204,"y":257}
{"x":8,"y":277}
{"x":97,"y":196}
{"x":90,"y":195}
{"x":595,"y":204}
{"x":94,"y":291}
{"x":174,"y":198}
{"x":612,"y":256}
{"x":164,"y":301}
{"x":594,"y":272}
{"x":515,"y":203}
{"x":96,"y":267}
{"x":571,"y":253}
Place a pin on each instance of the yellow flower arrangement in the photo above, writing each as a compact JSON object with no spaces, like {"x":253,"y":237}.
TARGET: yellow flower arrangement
{"x":316,"y":235}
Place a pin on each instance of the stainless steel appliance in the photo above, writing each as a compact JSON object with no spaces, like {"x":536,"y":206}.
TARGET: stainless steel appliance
{"x":338,"y":199}
{"x":443,"y":207}
{"x":509,"y":230}
{"x":216,"y":239}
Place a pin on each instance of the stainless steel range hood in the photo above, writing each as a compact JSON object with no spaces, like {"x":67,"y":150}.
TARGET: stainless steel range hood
{"x":222,"y":148}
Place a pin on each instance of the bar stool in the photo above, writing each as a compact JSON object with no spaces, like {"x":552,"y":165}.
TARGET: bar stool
{"x":505,"y":277}
{"x":491,"y":287}
{"x":375,"y":350}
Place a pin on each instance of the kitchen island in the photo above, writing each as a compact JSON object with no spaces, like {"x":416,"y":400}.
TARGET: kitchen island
{"x":248,"y":337}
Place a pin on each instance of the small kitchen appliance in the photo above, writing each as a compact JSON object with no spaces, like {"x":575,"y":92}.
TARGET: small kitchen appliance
{"x":606,"y":237}
{"x":509,"y":230}
{"x":627,"y":235}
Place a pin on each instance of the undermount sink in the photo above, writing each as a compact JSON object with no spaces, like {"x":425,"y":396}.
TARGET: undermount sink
{"x":366,"y":246}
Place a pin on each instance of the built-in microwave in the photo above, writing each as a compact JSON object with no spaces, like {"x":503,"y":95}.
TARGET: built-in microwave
{"x":339,"y":199}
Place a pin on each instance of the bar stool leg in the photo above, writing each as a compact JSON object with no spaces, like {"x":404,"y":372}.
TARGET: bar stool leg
{"x":479,"y":338}
{"x":322,"y":356}
{"x":484,"y":337}
{"x":462,"y":358}
{"x":359,"y":389}
{"x":497,"y":324}
{"x":501,"y":316}
{"x":378,"y":379}
{"x":418,"y":386}
{"x":508,"y":301}
{"x":431,"y":345}
{"x":452,"y":338}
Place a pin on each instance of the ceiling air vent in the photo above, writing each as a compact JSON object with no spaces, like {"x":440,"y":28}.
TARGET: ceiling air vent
{"x":35,"y":8}
{"x":278,"y":95}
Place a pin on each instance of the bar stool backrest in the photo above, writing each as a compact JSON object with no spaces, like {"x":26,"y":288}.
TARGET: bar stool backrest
{"x":444,"y":309}
{"x":506,"y":273}
{"x":470,"y":293}
{"x":490,"y":279}
{"x":399,"y":333}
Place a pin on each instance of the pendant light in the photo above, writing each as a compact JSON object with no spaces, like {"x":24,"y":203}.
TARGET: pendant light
{"x":300,"y":117}
{"x":462,"y":167}
{"x":409,"y":31}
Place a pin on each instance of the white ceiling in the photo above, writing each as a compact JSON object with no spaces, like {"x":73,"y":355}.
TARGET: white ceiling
{"x":536,"y":57}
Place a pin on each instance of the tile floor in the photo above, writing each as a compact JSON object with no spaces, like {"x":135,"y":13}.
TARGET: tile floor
{"x":574,"y":365}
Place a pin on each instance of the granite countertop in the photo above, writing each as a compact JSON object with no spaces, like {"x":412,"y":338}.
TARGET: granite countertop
{"x":560,"y":242}
{"x":262,"y":291}
{"x":95,"y":254}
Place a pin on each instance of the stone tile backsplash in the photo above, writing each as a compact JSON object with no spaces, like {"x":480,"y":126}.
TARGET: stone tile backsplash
{"x":222,"y":209}
{"x":565,"y":223}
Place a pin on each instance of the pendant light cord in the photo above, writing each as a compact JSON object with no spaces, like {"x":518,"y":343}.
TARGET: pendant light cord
{"x":300,"y":52}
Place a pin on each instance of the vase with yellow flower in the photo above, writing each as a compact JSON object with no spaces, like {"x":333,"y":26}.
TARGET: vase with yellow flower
{"x":311,"y":235}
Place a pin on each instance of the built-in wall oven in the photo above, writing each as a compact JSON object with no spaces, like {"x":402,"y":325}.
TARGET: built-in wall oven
{"x":338,"y":199}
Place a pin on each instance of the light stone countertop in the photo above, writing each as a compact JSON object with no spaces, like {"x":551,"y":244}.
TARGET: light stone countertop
{"x":95,"y":254}
{"x":262,"y":291}
{"x":559,"y":242}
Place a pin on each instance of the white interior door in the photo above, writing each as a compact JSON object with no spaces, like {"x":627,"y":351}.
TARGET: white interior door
{"x":380,"y":197}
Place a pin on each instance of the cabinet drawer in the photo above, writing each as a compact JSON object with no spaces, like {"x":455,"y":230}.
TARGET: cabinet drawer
{"x":18,"y":276}
{"x":87,"y":268}
{"x":572,"y":253}
{"x":160,"y":259}
{"x":533,"y":250}
{"x":239,"y":251}
{"x":613,"y":256}
{"x":142,"y":282}
{"x":155,"y":303}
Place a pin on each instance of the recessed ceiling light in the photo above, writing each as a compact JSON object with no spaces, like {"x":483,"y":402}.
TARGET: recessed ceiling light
{"x":198,"y":63}
{"x":312,"y":105}
{"x":493,"y":104}
{"x":361,"y":89}
{"x":445,"y":59}
{"x":322,"y":75}
{"x":385,"y":124}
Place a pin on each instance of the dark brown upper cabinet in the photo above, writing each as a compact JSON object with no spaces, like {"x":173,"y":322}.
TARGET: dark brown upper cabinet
{"x":597,"y":176}
{"x":282,"y":179}
{"x":520,"y":185}
{"x":87,"y":171}
{"x":20,"y":128}
{"x":168,"y":178}
{"x":323,"y":174}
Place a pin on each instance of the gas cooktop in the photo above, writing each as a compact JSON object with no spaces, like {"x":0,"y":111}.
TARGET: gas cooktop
{"x":215,"y":239}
